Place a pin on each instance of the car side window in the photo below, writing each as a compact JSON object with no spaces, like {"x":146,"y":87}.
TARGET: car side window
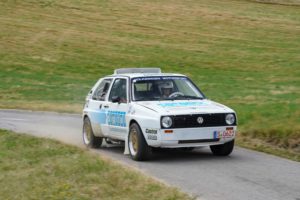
{"x":119,"y":89}
{"x":101,"y":91}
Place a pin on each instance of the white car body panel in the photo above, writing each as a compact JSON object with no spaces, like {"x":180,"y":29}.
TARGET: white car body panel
{"x":186,"y":107}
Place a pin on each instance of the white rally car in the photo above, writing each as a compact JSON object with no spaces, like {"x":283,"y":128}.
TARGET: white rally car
{"x":148,"y":109}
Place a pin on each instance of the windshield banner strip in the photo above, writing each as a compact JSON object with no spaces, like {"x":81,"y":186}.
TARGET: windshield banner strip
{"x":182,"y":104}
{"x":158,"y":78}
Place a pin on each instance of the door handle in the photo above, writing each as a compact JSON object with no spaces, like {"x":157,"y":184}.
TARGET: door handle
{"x":106,"y":106}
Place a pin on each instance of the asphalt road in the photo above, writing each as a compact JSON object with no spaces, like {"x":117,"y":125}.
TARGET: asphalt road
{"x":245,"y":174}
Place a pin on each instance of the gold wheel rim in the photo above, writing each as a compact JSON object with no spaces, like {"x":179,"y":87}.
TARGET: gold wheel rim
{"x":87,"y":134}
{"x":133,"y":141}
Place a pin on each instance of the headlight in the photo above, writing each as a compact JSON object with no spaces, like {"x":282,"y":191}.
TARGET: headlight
{"x":166,"y":122}
{"x":230,"y":119}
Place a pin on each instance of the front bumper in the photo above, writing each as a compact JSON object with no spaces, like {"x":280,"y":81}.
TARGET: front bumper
{"x":191,"y":137}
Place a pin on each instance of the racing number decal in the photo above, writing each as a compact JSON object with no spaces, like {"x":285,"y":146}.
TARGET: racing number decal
{"x":116,"y":118}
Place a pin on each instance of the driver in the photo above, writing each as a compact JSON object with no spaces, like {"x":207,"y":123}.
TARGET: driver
{"x":166,"y":88}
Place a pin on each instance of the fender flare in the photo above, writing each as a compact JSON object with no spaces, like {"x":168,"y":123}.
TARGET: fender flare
{"x":126,"y":149}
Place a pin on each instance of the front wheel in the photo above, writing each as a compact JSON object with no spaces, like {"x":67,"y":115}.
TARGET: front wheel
{"x":138,"y":147}
{"x":89,"y":139}
{"x":222,"y":149}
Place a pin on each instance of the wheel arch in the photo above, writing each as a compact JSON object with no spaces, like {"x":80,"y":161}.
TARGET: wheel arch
{"x":85,"y":116}
{"x":135,"y":121}
{"x":83,"y":119}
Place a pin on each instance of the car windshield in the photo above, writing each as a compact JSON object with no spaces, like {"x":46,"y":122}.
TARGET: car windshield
{"x":164,"y":88}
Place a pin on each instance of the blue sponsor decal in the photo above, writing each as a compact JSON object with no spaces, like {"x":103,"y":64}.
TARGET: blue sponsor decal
{"x":99,"y":117}
{"x":116,"y":118}
{"x":181,"y":104}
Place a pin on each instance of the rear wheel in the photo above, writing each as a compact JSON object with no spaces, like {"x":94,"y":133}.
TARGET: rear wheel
{"x":222,"y":149}
{"x":89,"y":139}
{"x":138,"y":147}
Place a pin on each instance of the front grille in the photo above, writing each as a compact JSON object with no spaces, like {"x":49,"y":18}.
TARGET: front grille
{"x":190,"y":121}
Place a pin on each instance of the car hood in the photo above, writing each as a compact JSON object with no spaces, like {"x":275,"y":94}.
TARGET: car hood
{"x":185,"y":107}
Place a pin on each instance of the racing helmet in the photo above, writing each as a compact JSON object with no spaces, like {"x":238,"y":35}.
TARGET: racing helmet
{"x":165,"y":85}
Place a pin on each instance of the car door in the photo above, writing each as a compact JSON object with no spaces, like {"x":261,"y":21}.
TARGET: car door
{"x":97,"y":107}
{"x":118,"y":104}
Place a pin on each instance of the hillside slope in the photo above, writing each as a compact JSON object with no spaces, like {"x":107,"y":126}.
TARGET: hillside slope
{"x":241,"y":53}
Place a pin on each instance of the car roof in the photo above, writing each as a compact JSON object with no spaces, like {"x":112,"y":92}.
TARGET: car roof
{"x":141,"y":72}
{"x":136,"y":75}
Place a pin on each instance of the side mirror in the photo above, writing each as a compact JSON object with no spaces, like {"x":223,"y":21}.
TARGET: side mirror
{"x":116,"y":99}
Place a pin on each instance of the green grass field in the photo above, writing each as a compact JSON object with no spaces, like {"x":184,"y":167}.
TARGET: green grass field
{"x":242,"y":53}
{"x":33,"y":168}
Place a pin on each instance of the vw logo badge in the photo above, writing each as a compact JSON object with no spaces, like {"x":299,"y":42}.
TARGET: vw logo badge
{"x":200,"y":120}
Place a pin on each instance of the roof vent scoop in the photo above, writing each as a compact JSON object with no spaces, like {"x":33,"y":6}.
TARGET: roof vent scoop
{"x":137,"y":70}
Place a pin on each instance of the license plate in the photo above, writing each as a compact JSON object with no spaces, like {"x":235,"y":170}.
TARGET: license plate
{"x":224,"y":134}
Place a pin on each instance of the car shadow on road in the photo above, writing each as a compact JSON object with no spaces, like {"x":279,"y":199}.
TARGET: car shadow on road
{"x":174,"y":155}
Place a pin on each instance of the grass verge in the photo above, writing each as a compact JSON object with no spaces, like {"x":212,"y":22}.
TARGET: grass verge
{"x":34,"y":168}
{"x":267,"y":146}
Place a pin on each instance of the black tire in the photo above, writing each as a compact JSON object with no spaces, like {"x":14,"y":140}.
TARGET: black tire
{"x":138,"y":147}
{"x":222,"y":149}
{"x":89,"y":139}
